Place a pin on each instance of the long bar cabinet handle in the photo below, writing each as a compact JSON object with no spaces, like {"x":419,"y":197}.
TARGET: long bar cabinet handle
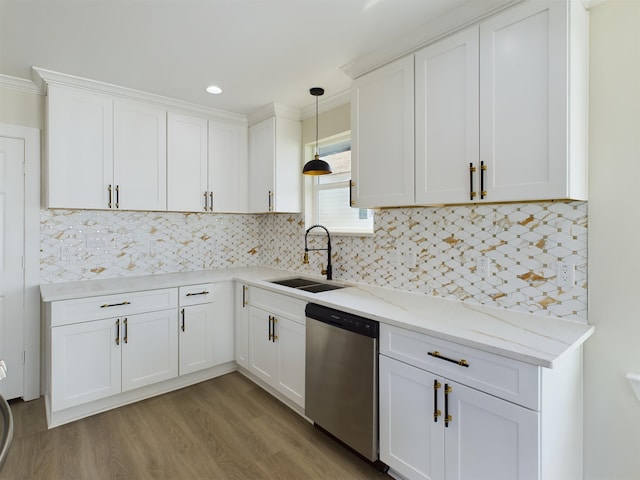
{"x":436,"y":412}
{"x":109,"y":305}
{"x":118,"y":332}
{"x":244,"y":296}
{"x":193,"y":294}
{"x":182,"y":312}
{"x":436,"y":354}
{"x":483,"y":168}
{"x":472,"y":193}
{"x":126,"y":331}
{"x":206,"y":202}
{"x":117,"y":196}
{"x":447,"y":418}
{"x":274,"y":337}
{"x":270,"y":320}
{"x":270,"y":200}
{"x":110,"y":196}
{"x":351,"y":185}
{"x":211,"y":202}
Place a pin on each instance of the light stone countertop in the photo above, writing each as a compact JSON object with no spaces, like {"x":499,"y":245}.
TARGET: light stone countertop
{"x":534,"y":339}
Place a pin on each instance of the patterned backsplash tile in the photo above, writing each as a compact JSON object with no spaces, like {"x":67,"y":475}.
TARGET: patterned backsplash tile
{"x":433,"y":250}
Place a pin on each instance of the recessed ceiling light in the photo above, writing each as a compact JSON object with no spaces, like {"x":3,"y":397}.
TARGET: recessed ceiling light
{"x":214,"y":89}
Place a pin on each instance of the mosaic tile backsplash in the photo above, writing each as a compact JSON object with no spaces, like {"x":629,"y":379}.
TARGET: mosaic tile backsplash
{"x":432,"y":250}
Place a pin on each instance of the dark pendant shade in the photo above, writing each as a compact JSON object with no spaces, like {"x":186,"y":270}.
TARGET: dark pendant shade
{"x":316,"y":166}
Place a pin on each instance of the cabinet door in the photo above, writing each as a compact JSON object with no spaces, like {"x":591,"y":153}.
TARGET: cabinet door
{"x":447,"y":127}
{"x":149,"y":349}
{"x":490,"y":438}
{"x":196,"y":337}
{"x":411,"y":442}
{"x":223,"y":341}
{"x":382,"y":134}
{"x":186,"y":163}
{"x":262,"y":353}
{"x":242,"y":325}
{"x":523,"y":102}
{"x":140,"y":156}
{"x":291,"y":358}
{"x":80,"y":148}
{"x":228,"y":167}
{"x":262,"y":152}
{"x":85,"y":362}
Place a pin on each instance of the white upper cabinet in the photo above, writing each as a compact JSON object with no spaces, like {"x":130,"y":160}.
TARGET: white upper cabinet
{"x":382,"y":141}
{"x":447,"y":127}
{"x":533,"y":102}
{"x":275,"y":168}
{"x":186,"y":163}
{"x":500,"y":114}
{"x":79,"y":148}
{"x":140,"y":156}
{"x":227,"y":177}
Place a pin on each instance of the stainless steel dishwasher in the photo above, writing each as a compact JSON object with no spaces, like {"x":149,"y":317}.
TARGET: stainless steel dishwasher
{"x":341,"y":389}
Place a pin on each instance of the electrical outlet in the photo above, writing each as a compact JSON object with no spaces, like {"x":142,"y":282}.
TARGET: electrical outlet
{"x":483,"y":266}
{"x":565,"y":274}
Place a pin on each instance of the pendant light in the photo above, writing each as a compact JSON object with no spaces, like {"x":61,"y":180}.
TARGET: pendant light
{"x":316,"y":166}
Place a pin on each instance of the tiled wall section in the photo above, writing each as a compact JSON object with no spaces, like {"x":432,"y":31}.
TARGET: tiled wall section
{"x":523,"y":242}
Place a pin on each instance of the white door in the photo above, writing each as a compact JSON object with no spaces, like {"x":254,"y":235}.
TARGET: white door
{"x":140,"y":156}
{"x":228,"y":166}
{"x":186,"y":163}
{"x":447,"y":127}
{"x":262,"y":157}
{"x":242,"y":325}
{"x":12,"y":162}
{"x":222,"y":325}
{"x":411,"y":437}
{"x":149,"y":348}
{"x":197,"y":336}
{"x":489,"y":438}
{"x":291,"y":358}
{"x":262,"y":358}
{"x":382,"y":156}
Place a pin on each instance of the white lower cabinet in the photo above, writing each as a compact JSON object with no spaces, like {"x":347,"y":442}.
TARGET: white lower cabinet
{"x":448,"y":411}
{"x":277,"y":343}
{"x":484,"y":438}
{"x":205,"y":326}
{"x":241,"y":327}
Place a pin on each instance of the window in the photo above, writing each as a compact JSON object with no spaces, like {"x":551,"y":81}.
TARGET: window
{"x":327,"y":196}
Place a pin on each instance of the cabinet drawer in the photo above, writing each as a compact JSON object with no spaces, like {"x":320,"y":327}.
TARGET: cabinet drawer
{"x":278,"y":304}
{"x":503,"y":377}
{"x":107,"y":306}
{"x":196,"y":294}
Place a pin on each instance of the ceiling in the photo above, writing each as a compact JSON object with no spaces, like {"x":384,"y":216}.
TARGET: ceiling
{"x":257,"y":51}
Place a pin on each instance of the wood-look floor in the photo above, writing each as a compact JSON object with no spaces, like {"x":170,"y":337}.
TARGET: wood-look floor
{"x":225,"y":428}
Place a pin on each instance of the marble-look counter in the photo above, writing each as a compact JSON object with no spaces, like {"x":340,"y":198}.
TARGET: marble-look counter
{"x":534,"y":339}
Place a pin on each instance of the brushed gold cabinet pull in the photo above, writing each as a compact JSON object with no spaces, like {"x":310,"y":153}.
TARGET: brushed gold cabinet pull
{"x":447,"y":418}
{"x":472,"y":170}
{"x":274,"y":337}
{"x":108,"y":305}
{"x":270,"y":326}
{"x":110,"y":195}
{"x":182,"y":312}
{"x":118,"y":332}
{"x":483,"y":168}
{"x":436,"y":412}
{"x":436,"y":354}
{"x":126,"y":331}
{"x":351,"y":185}
{"x":117,"y":196}
{"x":244,"y":296}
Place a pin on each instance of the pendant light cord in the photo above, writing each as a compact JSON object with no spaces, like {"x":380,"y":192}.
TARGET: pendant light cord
{"x":317,"y":126}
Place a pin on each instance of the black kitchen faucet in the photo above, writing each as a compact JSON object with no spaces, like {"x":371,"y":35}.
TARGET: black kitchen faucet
{"x":328,"y":271}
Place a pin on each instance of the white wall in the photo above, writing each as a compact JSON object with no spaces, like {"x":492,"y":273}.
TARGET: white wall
{"x":612,"y":412}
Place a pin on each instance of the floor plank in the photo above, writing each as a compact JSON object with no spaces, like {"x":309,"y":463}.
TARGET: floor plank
{"x":227,"y":428}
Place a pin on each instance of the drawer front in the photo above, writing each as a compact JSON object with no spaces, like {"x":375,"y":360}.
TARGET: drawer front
{"x":107,"y":306}
{"x":278,"y":304}
{"x":196,"y":294}
{"x":503,"y":377}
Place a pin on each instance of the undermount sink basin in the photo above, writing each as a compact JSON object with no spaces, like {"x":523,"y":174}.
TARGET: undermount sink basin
{"x":307,"y":285}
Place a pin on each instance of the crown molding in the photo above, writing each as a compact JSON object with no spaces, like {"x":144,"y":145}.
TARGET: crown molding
{"x":273,"y":110}
{"x":326,"y":104}
{"x":21,"y":84}
{"x":469,"y":14}
{"x":43,"y":77}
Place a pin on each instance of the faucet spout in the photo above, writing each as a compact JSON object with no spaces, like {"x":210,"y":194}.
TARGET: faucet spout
{"x":329,"y":269}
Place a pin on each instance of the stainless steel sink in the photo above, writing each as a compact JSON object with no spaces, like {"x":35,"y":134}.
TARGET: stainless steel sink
{"x":307,"y":285}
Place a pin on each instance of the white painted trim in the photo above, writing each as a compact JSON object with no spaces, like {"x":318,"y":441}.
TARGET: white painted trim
{"x":31,"y":137}
{"x":43,"y":77}
{"x":469,"y":14}
{"x":19,"y":84}
{"x":326,"y":104}
{"x":273,"y":110}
